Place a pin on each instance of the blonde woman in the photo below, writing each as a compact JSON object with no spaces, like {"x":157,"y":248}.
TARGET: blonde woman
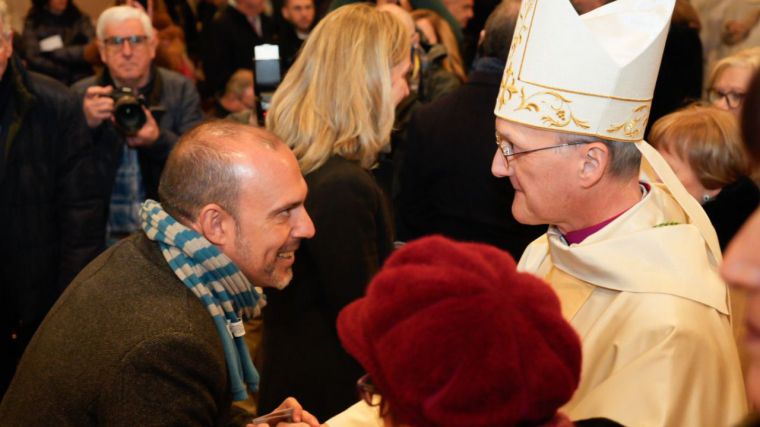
{"x":335,"y":108}
{"x":730,"y":78}
{"x":703,"y":146}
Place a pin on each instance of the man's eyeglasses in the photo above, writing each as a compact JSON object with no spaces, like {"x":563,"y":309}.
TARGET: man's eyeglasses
{"x":733,"y":99}
{"x":508,"y":150}
{"x":117,"y":42}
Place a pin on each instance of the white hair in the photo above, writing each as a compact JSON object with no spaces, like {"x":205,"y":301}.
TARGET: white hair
{"x":5,"y":20}
{"x":119,"y":14}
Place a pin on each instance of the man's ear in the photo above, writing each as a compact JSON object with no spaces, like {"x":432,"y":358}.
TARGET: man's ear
{"x":101,"y":50}
{"x":596,"y":156}
{"x":216,"y":225}
{"x":153,"y":44}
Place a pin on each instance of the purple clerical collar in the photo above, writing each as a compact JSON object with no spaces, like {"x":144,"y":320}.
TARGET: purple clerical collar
{"x":578,"y":236}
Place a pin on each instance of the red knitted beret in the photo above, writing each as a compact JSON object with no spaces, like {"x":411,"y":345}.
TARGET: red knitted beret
{"x":453,"y":335}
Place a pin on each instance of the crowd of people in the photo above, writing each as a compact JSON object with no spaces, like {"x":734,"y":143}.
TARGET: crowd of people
{"x":181,"y":248}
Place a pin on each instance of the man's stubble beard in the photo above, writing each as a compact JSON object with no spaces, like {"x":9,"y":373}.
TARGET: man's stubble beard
{"x":278,"y":281}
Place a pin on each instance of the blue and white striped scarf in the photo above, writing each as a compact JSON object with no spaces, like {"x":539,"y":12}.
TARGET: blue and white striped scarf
{"x":220,"y":285}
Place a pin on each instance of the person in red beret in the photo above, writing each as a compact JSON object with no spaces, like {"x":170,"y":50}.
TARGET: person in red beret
{"x":450,"y":334}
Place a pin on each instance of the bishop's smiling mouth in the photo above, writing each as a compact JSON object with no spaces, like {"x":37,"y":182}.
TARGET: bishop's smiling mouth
{"x":286,"y":255}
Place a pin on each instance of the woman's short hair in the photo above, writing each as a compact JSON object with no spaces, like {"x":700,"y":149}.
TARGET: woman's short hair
{"x":708,"y":139}
{"x":119,"y":14}
{"x":337,"y":98}
{"x":453,"y":62}
{"x":749,"y":58}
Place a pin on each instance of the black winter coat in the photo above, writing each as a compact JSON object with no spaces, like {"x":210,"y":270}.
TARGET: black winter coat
{"x":66,"y":64}
{"x":52,"y":202}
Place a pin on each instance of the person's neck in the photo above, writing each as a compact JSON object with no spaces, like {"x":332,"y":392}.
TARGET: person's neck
{"x":602,"y":204}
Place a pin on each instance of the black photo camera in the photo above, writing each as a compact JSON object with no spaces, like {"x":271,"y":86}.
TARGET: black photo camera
{"x":128,"y":112}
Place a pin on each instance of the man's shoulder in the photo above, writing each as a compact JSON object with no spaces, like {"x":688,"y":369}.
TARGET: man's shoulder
{"x":132,"y":286}
{"x":130,"y":260}
{"x":172,"y":77}
{"x":175,"y":85}
{"x":47,"y":89}
{"x":80,"y":87}
{"x":228,"y":15}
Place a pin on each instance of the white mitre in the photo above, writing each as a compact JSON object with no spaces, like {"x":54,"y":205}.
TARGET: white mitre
{"x":594,"y":75}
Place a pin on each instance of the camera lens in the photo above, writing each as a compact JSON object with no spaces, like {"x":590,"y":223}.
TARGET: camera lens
{"x":129,"y":115}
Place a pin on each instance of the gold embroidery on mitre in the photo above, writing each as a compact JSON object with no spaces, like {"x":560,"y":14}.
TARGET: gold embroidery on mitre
{"x":558,"y":112}
{"x":520,"y":32}
{"x":636,"y":123}
{"x":508,"y":84}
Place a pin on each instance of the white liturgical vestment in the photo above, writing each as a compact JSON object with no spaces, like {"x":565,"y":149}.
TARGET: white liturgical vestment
{"x":653,"y":315}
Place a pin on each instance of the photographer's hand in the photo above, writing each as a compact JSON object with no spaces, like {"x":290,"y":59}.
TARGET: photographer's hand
{"x":147,"y":135}
{"x":97,"y":105}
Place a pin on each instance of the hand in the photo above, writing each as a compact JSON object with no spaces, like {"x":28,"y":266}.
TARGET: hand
{"x":147,"y":135}
{"x":301,"y":418}
{"x":97,"y":105}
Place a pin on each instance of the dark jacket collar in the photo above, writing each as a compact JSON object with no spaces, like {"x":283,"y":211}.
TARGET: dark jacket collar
{"x":486,"y":71}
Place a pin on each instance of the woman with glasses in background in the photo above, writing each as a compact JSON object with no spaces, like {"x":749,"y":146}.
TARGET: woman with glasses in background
{"x":335,"y":109}
{"x":730,"y":79}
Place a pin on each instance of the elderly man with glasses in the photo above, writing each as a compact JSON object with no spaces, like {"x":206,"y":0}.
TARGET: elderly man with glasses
{"x":136,"y":112}
{"x":632,"y":257}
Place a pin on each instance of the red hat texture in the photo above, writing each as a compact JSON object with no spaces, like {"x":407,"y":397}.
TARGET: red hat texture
{"x":453,"y":335}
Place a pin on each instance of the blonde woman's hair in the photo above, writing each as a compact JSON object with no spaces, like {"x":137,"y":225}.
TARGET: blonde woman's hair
{"x":749,"y":58}
{"x":337,"y":98}
{"x":708,"y":139}
{"x":453,"y":62}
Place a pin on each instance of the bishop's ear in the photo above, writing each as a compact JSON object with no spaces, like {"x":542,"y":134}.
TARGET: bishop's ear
{"x":596,"y":157}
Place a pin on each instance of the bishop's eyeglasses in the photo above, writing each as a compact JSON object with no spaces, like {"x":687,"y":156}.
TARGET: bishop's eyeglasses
{"x":508,"y":150}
